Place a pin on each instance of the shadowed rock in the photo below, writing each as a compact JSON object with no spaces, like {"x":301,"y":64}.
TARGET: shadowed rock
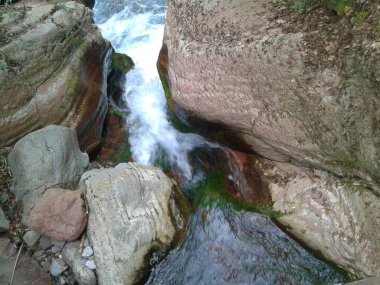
{"x":52,"y":71}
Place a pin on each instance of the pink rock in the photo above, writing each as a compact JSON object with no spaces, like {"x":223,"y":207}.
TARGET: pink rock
{"x":60,"y":214}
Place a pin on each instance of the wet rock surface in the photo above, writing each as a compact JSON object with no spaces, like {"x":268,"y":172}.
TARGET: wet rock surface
{"x":337,"y":217}
{"x":247,"y":67}
{"x":52,"y":70}
{"x":225,"y":246}
{"x":134,"y":211}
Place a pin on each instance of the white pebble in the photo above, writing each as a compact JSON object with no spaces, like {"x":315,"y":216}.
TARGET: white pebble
{"x":87,"y":252}
{"x":90,"y":264}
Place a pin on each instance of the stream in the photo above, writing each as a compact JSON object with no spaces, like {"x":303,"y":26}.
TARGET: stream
{"x":224,"y":244}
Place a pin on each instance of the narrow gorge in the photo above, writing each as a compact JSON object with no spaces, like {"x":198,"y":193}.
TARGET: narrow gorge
{"x":189,"y":142}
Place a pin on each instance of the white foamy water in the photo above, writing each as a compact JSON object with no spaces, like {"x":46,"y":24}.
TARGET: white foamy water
{"x":137,"y":31}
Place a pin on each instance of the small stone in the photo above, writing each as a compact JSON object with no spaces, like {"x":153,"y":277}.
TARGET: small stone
{"x":3,"y":197}
{"x":55,"y":249}
{"x":4,"y":223}
{"x":45,"y":243}
{"x":31,"y":238}
{"x":90,"y":264}
{"x":86,"y":242}
{"x":57,"y":267}
{"x":87,"y":252}
{"x":331,"y":48}
{"x":58,"y":243}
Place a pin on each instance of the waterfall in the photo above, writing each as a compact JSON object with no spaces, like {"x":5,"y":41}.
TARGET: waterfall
{"x":137,"y":30}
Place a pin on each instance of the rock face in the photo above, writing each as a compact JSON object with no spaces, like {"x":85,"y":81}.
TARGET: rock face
{"x":133,"y":212}
{"x":53,"y":71}
{"x":59,"y":214}
{"x":338,"y":217}
{"x":43,"y":159}
{"x":287,"y":90}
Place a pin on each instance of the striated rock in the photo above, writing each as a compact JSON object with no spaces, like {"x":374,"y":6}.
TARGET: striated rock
{"x":71,"y":255}
{"x":338,"y":217}
{"x":53,"y":71}
{"x":4,"y":223}
{"x":269,"y":82}
{"x":60,"y":214}
{"x":28,"y":271}
{"x":43,"y":159}
{"x":134,"y":211}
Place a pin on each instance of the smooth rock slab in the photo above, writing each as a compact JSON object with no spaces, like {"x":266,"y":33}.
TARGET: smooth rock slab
{"x":133,"y":211}
{"x":60,"y":214}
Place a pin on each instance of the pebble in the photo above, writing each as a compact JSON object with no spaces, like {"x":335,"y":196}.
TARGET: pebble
{"x":45,"y":243}
{"x":57,"y":267}
{"x":31,"y":238}
{"x":87,"y":252}
{"x":56,"y":249}
{"x":90,"y":264}
{"x":58,"y":243}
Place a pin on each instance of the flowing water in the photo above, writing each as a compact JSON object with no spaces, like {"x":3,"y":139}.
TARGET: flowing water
{"x":223,"y":244}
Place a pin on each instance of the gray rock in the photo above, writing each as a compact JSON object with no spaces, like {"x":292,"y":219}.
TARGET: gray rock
{"x":58,"y":243}
{"x":56,"y":249}
{"x":87,"y":252}
{"x":57,"y":267}
{"x":4,"y":223}
{"x":43,"y":159}
{"x":90,"y":264}
{"x":39,"y":255}
{"x":3,"y":197}
{"x":130,"y":214}
{"x":31,"y":238}
{"x":45,"y":243}
{"x":71,"y":255}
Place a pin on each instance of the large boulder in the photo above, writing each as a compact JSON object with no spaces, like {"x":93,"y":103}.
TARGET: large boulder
{"x":134,"y":212}
{"x":59,"y":214}
{"x":340,"y":218}
{"x":46,"y":158}
{"x":292,"y":86}
{"x":53,"y":70}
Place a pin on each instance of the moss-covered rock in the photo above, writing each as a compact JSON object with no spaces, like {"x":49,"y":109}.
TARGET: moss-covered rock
{"x":52,"y":71}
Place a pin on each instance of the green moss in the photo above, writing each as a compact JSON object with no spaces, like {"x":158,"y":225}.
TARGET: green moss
{"x":118,"y":113}
{"x":212,"y":192}
{"x":162,"y":162}
{"x":359,"y":17}
{"x":121,"y":62}
{"x":174,"y":120}
{"x":339,"y":6}
{"x":126,"y":156}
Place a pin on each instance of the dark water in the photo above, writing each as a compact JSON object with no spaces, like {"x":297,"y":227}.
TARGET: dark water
{"x":223,"y":245}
